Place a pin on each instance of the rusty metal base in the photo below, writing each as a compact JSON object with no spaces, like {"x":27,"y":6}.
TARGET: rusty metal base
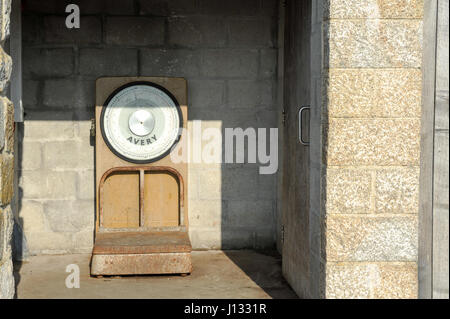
{"x":141,"y":253}
{"x":141,"y":264}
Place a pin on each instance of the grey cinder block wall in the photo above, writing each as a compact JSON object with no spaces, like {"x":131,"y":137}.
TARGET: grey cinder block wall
{"x":227,"y":52}
{"x":6,"y":158}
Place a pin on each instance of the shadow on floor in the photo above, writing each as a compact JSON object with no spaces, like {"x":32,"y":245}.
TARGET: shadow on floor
{"x":263,"y":267}
{"x":16,"y":269}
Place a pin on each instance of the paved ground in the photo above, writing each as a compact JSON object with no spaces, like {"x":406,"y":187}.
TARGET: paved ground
{"x":216,"y":274}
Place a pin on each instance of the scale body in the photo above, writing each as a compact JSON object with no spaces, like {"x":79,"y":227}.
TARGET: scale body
{"x":141,"y":194}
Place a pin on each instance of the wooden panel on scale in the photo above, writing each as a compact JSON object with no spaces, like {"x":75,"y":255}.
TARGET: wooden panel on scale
{"x":121,"y":200}
{"x":161,"y":200}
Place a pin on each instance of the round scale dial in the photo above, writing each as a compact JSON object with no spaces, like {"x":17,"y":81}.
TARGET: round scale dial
{"x":140,"y":122}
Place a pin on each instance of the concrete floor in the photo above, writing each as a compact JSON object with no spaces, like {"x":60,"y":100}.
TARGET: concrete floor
{"x":216,"y":274}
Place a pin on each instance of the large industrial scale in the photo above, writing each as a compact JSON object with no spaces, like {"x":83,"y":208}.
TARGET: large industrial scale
{"x":141,"y":208}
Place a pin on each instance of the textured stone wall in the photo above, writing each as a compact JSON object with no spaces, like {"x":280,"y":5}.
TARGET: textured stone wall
{"x":227,"y":52}
{"x":6,"y":159}
{"x":371,"y":138}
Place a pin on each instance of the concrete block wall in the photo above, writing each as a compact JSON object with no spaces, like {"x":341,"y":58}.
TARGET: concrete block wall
{"x":371,"y":137}
{"x":6,"y":159}
{"x":227,"y":52}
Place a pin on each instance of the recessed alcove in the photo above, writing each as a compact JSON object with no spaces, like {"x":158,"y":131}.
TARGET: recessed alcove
{"x":241,"y":59}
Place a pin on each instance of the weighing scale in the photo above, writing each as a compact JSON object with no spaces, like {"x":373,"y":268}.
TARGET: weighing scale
{"x":141,"y":208}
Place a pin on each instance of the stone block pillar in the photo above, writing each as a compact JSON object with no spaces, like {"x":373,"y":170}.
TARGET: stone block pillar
{"x":371,"y":147}
{"x":6,"y":160}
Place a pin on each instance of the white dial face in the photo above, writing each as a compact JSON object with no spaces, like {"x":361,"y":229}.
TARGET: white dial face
{"x":141,"y":123}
